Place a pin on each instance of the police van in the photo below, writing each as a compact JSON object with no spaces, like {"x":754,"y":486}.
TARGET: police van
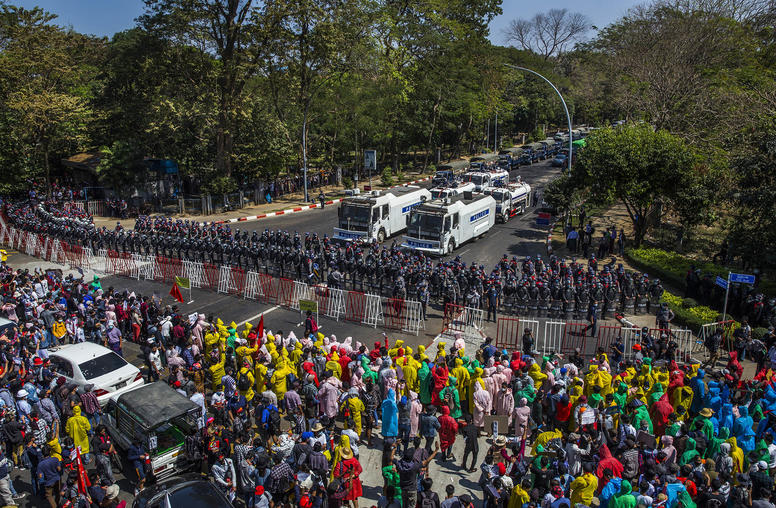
{"x":441,"y":226}
{"x":376,"y":216}
{"x":449,"y":191}
{"x":484,"y":179}
{"x":511,"y":200}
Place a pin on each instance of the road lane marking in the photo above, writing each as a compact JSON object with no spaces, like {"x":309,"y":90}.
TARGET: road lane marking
{"x":258,"y":315}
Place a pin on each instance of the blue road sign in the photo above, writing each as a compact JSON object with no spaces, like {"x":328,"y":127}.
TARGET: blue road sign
{"x":721,"y":282}
{"x":742,"y":278}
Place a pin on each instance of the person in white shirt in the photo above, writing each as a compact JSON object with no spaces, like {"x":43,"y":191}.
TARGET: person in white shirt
{"x":155,"y":362}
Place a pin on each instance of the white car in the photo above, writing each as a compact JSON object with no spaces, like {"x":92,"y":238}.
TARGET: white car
{"x":88,"y":363}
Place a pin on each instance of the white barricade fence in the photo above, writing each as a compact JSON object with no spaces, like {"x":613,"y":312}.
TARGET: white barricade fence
{"x":630,"y":337}
{"x":527,"y":324}
{"x":373,"y":314}
{"x":32,"y":244}
{"x":4,"y":232}
{"x":301,"y":292}
{"x":685,"y":341}
{"x":46,"y":247}
{"x":11,"y":237}
{"x":148,"y":267}
{"x":19,"y":239}
{"x":226,"y":282}
{"x":98,"y":263}
{"x":331,"y":302}
{"x":96,"y":208}
{"x":552,"y":338}
{"x":253,"y":288}
{"x":414,"y":317}
{"x":56,"y":251}
{"x":192,"y":270}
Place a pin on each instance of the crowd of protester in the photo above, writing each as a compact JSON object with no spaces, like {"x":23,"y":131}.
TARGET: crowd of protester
{"x":288,"y":418}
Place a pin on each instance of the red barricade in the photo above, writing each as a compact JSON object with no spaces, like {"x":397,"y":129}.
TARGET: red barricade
{"x":167,"y":269}
{"x":573,"y":337}
{"x":210,"y":277}
{"x":395,"y":313}
{"x":355,"y":306}
{"x":40,"y":247}
{"x":285,"y":292}
{"x":606,"y":337}
{"x":238,"y":281}
{"x":111,"y":262}
{"x":508,"y":333}
{"x":125,"y":264}
{"x":323,"y":297}
{"x":269,"y":290}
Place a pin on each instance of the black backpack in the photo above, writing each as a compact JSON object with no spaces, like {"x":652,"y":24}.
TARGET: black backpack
{"x":274,"y":420}
{"x":427,"y":500}
{"x":243,"y":383}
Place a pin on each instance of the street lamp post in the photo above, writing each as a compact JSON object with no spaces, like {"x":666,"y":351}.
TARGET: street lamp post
{"x":565,"y":108}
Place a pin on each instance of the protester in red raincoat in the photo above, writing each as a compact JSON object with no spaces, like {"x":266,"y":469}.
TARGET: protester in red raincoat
{"x":439,"y":374}
{"x":606,"y":461}
{"x":734,"y":366}
{"x":448,"y":428}
{"x":659,"y":413}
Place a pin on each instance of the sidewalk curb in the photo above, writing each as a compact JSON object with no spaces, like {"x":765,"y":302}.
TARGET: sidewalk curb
{"x":301,"y":208}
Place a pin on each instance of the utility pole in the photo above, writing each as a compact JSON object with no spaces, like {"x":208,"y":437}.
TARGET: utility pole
{"x":495,"y":136}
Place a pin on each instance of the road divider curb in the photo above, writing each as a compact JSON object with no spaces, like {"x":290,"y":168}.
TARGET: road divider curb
{"x":301,"y":208}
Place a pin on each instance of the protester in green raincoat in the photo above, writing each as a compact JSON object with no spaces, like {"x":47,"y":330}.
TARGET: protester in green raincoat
{"x":392,"y":478}
{"x":451,"y":391}
{"x":712,"y":446}
{"x":624,"y":499}
{"x":621,"y":395}
{"x":369,"y":374}
{"x":642,"y":415}
{"x":689,"y":452}
{"x":424,"y":378}
{"x":702,"y":422}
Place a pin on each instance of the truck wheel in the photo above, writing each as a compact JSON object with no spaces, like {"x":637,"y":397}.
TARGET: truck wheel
{"x":381,"y":236}
{"x":450,"y":247}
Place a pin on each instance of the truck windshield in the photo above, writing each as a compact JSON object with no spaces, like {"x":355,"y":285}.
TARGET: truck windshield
{"x":354,"y":217}
{"x":499,"y":196}
{"x":478,"y":179}
{"x":439,"y":193}
{"x":425,"y":226}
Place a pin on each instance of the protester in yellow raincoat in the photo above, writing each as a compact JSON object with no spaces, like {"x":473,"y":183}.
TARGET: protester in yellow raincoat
{"x":583,"y":487}
{"x":518,"y":497}
{"x":217,"y":371}
{"x":212,"y":340}
{"x":409,"y":367}
{"x":78,"y":428}
{"x":422,"y":353}
{"x":682,"y":397}
{"x":475,"y":379}
{"x":461,"y":374}
{"x":537,"y":375}
{"x":394,"y":351}
{"x":355,"y":407}
{"x":296,"y":354}
{"x":337,"y":456}
{"x":737,"y":454}
{"x":260,"y":375}
{"x":244,"y":352}
{"x":278,"y":381}
{"x":247,"y":372}
{"x":333,"y":365}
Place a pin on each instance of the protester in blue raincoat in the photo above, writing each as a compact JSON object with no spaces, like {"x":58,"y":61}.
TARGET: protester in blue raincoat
{"x":390,"y":415}
{"x":742,"y":430}
{"x":698,"y":392}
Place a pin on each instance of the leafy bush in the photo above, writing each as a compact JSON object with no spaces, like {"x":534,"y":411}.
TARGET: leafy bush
{"x":386,"y":178}
{"x":759,"y":332}
{"x":690,"y":316}
{"x":347,"y":182}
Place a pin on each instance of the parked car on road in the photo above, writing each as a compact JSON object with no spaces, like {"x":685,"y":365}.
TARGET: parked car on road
{"x":91,"y":364}
{"x":188,"y":491}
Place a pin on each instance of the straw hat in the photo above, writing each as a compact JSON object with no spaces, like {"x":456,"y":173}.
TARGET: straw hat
{"x":706,"y":412}
{"x":346,"y":453}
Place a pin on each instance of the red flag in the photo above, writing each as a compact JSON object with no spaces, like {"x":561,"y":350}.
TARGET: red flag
{"x":175,"y":292}
{"x":83,"y":479}
{"x":259,"y":335}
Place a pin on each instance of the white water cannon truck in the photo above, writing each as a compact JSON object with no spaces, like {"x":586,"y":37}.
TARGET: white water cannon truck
{"x":378,"y":215}
{"x":441,"y":226}
{"x":511,"y":199}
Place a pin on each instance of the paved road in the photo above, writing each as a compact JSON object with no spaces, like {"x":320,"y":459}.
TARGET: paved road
{"x":518,"y":237}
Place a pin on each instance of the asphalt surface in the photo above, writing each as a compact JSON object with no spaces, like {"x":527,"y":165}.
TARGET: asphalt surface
{"x":518,"y":237}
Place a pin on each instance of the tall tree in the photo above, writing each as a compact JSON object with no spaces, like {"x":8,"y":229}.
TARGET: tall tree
{"x":225,"y":29}
{"x":549,"y":34}
{"x":48,"y":78}
{"x":641,"y":168}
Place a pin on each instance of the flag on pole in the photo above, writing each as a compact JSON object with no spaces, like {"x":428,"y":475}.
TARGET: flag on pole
{"x":83,"y":479}
{"x":175,"y":292}
{"x":183,"y":282}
